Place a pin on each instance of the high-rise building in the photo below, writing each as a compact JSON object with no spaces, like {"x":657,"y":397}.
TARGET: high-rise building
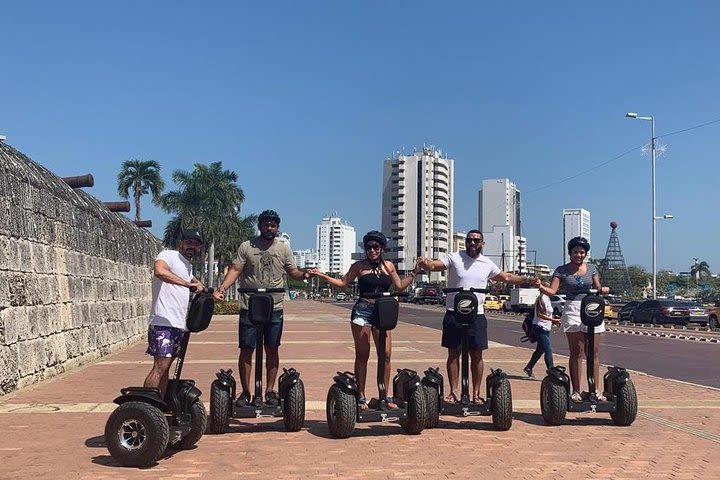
{"x":499,"y":220}
{"x":576,"y":223}
{"x":417,"y":207}
{"x":335,"y":243}
{"x":305,"y":258}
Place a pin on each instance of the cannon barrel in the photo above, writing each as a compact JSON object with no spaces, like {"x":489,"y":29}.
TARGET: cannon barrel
{"x":143,"y":223}
{"x":80,"y":181}
{"x":118,"y":206}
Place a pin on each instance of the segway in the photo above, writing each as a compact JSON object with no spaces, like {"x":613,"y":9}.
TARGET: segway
{"x":499,"y":395}
{"x":409,"y":396}
{"x":619,"y":390}
{"x":292,"y":391}
{"x":146,"y":422}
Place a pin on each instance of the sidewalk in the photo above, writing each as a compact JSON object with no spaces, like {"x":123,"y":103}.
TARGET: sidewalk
{"x":55,"y":429}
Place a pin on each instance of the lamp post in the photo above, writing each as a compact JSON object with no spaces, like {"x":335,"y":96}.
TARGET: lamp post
{"x":654,"y":217}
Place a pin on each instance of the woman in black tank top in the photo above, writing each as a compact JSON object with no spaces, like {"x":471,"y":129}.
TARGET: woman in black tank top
{"x":376,"y":275}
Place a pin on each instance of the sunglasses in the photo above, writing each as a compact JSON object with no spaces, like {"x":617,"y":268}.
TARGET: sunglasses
{"x":373,"y":246}
{"x":473,"y":240}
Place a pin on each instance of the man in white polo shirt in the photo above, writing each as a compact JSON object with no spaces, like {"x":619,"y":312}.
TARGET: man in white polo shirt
{"x":171,"y":284}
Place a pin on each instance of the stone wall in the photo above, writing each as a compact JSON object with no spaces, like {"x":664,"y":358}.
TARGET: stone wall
{"x":74,"y":277}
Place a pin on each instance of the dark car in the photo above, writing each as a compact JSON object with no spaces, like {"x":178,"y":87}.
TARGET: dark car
{"x":625,"y":313}
{"x":670,"y":311}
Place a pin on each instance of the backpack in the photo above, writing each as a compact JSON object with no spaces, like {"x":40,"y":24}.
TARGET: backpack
{"x":527,"y":326}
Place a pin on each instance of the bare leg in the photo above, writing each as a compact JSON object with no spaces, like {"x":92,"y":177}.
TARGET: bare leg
{"x":272,"y":359}
{"x":245,"y":368}
{"x":453,"y":370}
{"x":158,"y":376}
{"x":476,"y":366}
{"x":576,"y":343}
{"x":388,"y":354}
{"x":361,"y":338}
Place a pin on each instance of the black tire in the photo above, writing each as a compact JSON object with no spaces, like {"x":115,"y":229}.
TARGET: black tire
{"x":136,"y":434}
{"x":432,"y":397}
{"x":713,"y":322}
{"x":627,"y":404}
{"x":294,"y":407}
{"x":553,"y":401}
{"x":502,"y":406}
{"x":416,"y":411}
{"x":199,"y":420}
{"x":220,"y":408}
{"x":341,"y":412}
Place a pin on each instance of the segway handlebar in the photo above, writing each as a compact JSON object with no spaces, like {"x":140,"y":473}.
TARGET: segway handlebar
{"x":384,"y":294}
{"x":207,"y":290}
{"x":261,"y":290}
{"x":466,"y":289}
{"x":590,"y":291}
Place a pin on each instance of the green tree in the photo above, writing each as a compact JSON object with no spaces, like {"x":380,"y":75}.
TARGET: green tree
{"x":700,"y":270}
{"x":143,"y":177}
{"x":208,"y":198}
{"x":639,"y":279}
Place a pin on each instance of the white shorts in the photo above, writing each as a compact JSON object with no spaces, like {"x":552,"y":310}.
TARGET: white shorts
{"x":570,"y":319}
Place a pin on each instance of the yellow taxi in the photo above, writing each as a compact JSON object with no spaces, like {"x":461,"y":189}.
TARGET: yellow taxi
{"x":492,"y":303}
{"x":608,"y":310}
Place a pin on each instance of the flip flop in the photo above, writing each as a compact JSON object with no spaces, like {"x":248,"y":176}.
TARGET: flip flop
{"x":451,"y":398}
{"x":362,"y":403}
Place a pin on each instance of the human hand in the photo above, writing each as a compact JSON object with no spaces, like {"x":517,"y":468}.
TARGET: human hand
{"x":219,"y":293}
{"x":536,"y":283}
{"x":605,"y":290}
{"x":196,"y":287}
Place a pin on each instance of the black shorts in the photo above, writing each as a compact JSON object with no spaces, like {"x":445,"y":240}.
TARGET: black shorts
{"x":452,"y":332}
{"x":272,"y":331}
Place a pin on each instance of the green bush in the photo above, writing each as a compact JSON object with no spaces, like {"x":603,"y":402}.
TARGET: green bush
{"x":227,"y":308}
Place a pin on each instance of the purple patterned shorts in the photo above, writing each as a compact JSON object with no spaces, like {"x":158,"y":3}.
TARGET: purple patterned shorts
{"x":164,"y":341}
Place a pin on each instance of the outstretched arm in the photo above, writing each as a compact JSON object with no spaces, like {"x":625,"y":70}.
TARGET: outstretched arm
{"x":431,"y":265}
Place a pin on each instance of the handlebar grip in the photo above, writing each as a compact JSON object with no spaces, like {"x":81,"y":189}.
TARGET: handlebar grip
{"x":466,"y":289}
{"x":261,"y":290}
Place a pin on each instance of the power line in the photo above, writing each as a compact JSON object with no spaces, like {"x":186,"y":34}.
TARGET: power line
{"x":688,"y":129}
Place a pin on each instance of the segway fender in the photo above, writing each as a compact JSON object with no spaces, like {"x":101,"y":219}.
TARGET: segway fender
{"x":558,"y":374}
{"x":188,"y":394}
{"x":615,"y":378}
{"x":289,"y":378}
{"x":495,"y":378}
{"x":405,"y":382}
{"x":142,"y":394}
{"x":434,"y":379}
{"x":347,"y":381}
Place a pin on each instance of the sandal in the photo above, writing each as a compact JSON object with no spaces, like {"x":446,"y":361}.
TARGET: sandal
{"x":576,"y":397}
{"x":391,"y":402}
{"x":451,"y":398}
{"x":362,"y":403}
{"x":478,"y":399}
{"x":600,"y":397}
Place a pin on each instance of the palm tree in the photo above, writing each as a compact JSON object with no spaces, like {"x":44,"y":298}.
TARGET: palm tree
{"x":143,"y":176}
{"x":208,"y":199}
{"x":699,"y":270}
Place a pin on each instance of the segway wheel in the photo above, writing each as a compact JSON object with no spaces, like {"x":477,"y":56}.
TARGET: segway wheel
{"x":553,"y":401}
{"x":199,"y":420}
{"x":341,"y":412}
{"x":502,"y":406}
{"x":432,"y":398}
{"x":626,"y":410}
{"x":220,"y":407}
{"x":136,"y":434}
{"x":294,"y":407}
{"x":416,"y":411}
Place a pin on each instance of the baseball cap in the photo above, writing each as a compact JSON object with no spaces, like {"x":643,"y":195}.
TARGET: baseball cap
{"x":192,"y":234}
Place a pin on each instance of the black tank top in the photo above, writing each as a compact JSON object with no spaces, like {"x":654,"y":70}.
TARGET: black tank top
{"x":371,"y":283}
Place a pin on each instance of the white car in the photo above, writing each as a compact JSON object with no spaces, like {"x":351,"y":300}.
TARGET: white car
{"x":558,"y":302}
{"x":340,"y":297}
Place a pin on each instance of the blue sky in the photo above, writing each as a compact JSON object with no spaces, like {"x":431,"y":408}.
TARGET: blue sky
{"x":304,"y":100}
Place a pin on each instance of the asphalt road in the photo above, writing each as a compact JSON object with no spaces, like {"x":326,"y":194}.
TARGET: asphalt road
{"x":683,"y":360}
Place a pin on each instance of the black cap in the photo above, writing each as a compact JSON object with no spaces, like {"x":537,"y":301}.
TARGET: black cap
{"x":192,"y":234}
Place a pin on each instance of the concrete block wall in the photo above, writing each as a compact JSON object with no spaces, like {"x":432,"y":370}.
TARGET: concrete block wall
{"x":74,"y":277}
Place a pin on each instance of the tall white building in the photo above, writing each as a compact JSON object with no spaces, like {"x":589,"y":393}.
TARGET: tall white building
{"x":499,"y":220}
{"x":576,"y":223}
{"x":417,"y":207}
{"x":335,"y":243}
{"x":305,"y":258}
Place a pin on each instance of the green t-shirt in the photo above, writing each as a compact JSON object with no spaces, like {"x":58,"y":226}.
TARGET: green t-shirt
{"x":263,"y":267}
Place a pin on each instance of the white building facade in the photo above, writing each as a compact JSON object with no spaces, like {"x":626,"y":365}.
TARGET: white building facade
{"x":335,"y":244}
{"x":576,"y":223}
{"x":417,"y":207}
{"x":305,"y":258}
{"x":499,"y":220}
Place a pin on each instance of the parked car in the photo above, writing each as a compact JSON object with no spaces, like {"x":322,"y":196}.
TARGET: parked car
{"x":557,"y":302}
{"x":670,"y":311}
{"x":625,"y":313}
{"x":714,"y":313}
{"x":341,"y":296}
{"x":491,"y":303}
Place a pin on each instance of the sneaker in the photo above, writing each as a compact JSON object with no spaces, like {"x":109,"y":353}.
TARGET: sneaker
{"x":528,"y":371}
{"x":576,"y":397}
{"x":243,"y":400}
{"x":271,"y":398}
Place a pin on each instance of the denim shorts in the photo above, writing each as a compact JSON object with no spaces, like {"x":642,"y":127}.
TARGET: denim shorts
{"x":362,"y":313}
{"x":164,"y":341}
{"x":272,"y":332}
{"x":452,"y":332}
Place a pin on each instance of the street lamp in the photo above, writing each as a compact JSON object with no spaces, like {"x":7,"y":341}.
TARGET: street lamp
{"x":654,"y":217}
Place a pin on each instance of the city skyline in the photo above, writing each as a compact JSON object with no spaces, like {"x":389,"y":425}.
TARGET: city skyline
{"x":305,"y":112}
